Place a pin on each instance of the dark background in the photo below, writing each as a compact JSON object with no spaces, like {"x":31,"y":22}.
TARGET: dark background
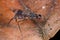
{"x":57,"y":36}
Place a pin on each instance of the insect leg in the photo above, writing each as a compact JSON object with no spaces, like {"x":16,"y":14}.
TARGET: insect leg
{"x":10,"y":21}
{"x":19,"y":28}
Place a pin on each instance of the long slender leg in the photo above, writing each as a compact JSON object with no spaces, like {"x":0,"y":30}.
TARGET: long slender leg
{"x":26,"y":9}
{"x":19,"y":28}
{"x":10,"y":21}
{"x":24,"y":6}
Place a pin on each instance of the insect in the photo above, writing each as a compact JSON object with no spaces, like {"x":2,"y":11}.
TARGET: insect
{"x":20,"y":15}
{"x":25,"y":14}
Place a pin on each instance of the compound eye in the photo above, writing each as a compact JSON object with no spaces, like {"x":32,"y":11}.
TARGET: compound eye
{"x":19,"y":12}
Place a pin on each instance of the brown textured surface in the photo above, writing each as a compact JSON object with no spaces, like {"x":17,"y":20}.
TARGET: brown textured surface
{"x":29,"y":29}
